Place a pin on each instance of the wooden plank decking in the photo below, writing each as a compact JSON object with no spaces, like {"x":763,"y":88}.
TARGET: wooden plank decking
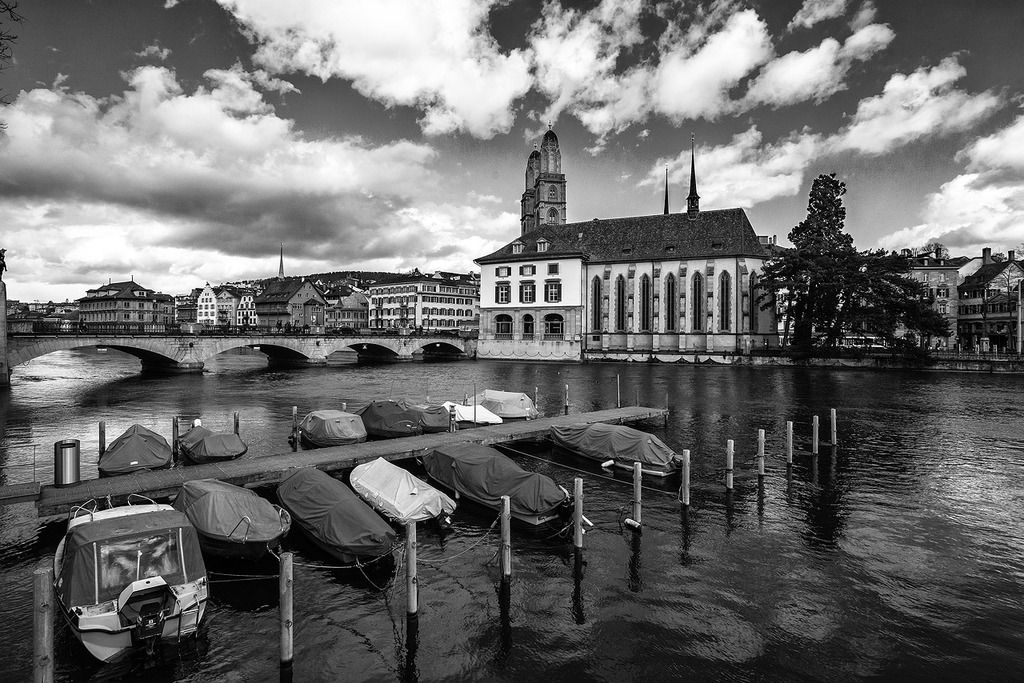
{"x":53,"y":501}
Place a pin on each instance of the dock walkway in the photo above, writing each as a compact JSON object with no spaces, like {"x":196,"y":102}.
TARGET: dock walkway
{"x":53,"y":501}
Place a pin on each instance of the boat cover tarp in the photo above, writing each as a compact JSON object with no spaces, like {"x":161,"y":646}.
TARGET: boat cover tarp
{"x":603,"y":441}
{"x":473,"y":413}
{"x":199,"y":444}
{"x":388,"y":420}
{"x":136,"y":449}
{"x":507,"y":404}
{"x":433,"y":418}
{"x":399,"y":495}
{"x":332,"y":428}
{"x":483,"y":474}
{"x":104,"y":556}
{"x":334,"y":516}
{"x":218,"y":510}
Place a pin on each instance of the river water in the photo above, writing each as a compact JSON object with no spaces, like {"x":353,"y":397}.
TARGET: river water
{"x":899,"y":555}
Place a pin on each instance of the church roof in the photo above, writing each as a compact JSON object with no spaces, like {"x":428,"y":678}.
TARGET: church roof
{"x":709,"y":234}
{"x":550,"y":135}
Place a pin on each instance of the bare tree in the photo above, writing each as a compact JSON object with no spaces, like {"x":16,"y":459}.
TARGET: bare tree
{"x":8,"y":15}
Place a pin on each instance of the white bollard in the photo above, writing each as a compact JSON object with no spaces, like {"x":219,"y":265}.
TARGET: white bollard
{"x":814,"y":435}
{"x":789,"y":442}
{"x":728,"y":464}
{"x":760,"y":452}
{"x":684,"y":487}
{"x":832,"y":419}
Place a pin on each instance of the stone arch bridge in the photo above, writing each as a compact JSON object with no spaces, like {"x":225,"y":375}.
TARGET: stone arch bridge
{"x":189,"y":353}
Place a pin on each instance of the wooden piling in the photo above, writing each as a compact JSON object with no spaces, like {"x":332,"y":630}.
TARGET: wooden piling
{"x":506,"y":540}
{"x":103,"y":437}
{"x":344,"y":406}
{"x":684,"y":486}
{"x":832,"y":420}
{"x":295,"y":422}
{"x":174,"y":436}
{"x":728,"y":464}
{"x":638,"y":473}
{"x":236,"y":423}
{"x":789,"y":442}
{"x":814,"y":435}
{"x":452,"y":422}
{"x":566,"y":399}
{"x":536,"y":400}
{"x":760,"y":452}
{"x":284,"y":585}
{"x":411,"y":582}
{"x":618,"y":393}
{"x":637,"y":396}
{"x":42,"y":624}
{"x":577,"y":516}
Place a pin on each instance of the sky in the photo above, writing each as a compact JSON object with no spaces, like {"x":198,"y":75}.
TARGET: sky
{"x":180,"y":142}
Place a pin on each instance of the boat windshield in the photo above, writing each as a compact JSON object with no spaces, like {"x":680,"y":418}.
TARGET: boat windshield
{"x":123,"y":561}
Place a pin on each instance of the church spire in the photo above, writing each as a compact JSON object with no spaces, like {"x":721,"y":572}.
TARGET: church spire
{"x":693,"y":201}
{"x":666,"y":189}
{"x":280,"y":267}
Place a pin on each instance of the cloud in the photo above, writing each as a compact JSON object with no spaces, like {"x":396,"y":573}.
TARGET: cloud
{"x":815,"y":11}
{"x":434,"y":55}
{"x":744,"y":172}
{"x":161,"y":53}
{"x":911,"y":107}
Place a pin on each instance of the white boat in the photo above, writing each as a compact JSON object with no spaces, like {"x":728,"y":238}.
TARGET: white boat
{"x":398,"y":495}
{"x":129,"y":576}
{"x":508,"y":405}
{"x":475,"y":414}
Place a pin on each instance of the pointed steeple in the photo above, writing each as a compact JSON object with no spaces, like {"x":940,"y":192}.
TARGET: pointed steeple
{"x":693,"y":200}
{"x":666,"y":189}
{"x":280,"y":267}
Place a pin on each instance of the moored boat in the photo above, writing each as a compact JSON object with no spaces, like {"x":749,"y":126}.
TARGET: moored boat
{"x":389,"y":420}
{"x":472,"y":414}
{"x":620,"y":444}
{"x":507,"y":404}
{"x":129,"y":576}
{"x":136,"y":449}
{"x":323,"y":428}
{"x":199,"y":445}
{"x":334,"y":517}
{"x":233,"y":522}
{"x":398,"y":495}
{"x":483,"y":475}
{"x":432,"y":418}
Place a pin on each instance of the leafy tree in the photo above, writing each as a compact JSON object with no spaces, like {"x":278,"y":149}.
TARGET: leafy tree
{"x":827,"y":288}
{"x":937,"y":247}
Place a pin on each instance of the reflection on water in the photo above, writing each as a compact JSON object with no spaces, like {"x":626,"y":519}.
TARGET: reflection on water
{"x":898,"y":555}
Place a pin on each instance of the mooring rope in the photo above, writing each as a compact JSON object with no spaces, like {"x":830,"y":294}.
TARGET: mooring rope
{"x":463,"y":552}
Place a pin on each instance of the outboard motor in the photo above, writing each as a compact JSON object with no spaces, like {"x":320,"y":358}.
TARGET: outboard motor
{"x":144,"y":606}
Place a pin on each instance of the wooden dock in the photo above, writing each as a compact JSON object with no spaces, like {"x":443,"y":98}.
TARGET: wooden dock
{"x":52,"y":501}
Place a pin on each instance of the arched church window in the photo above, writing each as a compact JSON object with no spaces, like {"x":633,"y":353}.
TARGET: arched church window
{"x":552,"y":216}
{"x":620,"y":303}
{"x":645,"y":304}
{"x":724,"y":302}
{"x":698,"y":303}
{"x":755,"y":305}
{"x":670,"y":303}
{"x":595,"y":304}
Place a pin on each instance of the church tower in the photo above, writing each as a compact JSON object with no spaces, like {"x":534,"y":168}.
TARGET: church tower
{"x":543,"y":200}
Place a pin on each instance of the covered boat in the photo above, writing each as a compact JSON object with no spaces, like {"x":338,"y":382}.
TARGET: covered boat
{"x":200,"y":445}
{"x":334,"y":517}
{"x":322,"y":428}
{"x":507,"y":404}
{"x":484,"y":475}
{"x":389,"y":420}
{"x":433,"y":418}
{"x":136,"y":449}
{"x":129,"y":576}
{"x":624,"y":445}
{"x":474,"y":414}
{"x":233,"y":522}
{"x":397,"y":494}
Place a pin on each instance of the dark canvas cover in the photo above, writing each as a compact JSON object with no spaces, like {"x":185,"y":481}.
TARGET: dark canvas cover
{"x":332,"y":428}
{"x":104,"y":556}
{"x":602,"y":441}
{"x":483,"y":474}
{"x":334,"y":515}
{"x":507,"y":404}
{"x":389,"y":419}
{"x":219,"y":510}
{"x":136,"y":449}
{"x":199,"y":444}
{"x":432,"y":418}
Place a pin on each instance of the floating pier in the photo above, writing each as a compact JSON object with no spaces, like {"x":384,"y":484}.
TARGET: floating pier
{"x":52,"y":501}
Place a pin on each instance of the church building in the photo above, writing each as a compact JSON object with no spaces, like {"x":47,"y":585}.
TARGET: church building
{"x":668,"y":287}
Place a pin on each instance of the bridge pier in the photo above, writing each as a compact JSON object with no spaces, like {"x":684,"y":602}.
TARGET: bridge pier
{"x":172,"y":367}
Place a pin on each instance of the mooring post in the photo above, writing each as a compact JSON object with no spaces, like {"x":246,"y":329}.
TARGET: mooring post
{"x":684,"y":486}
{"x":284,"y":585}
{"x":411,"y":582}
{"x":566,"y":399}
{"x":42,"y":624}
{"x":637,"y":396}
{"x":236,"y":423}
{"x":814,"y":435}
{"x":103,"y":437}
{"x":452,"y":423}
{"x":832,"y":419}
{"x":789,"y":442}
{"x":344,"y":406}
{"x":536,"y":401}
{"x":618,"y":393}
{"x":465,"y":397}
{"x":636,"y":521}
{"x":174,"y":436}
{"x":760,"y":452}
{"x":295,"y":422}
{"x":577,"y":516}
{"x":506,"y":540}
{"x":728,"y":464}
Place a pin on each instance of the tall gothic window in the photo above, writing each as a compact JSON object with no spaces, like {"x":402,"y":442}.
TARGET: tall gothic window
{"x":698,"y":302}
{"x":620,"y":303}
{"x":724,"y":302}
{"x":755,"y":305}
{"x":670,"y":303}
{"x":552,"y":193}
{"x":552,"y":215}
{"x":645,"y":304}
{"x":595,"y":305}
